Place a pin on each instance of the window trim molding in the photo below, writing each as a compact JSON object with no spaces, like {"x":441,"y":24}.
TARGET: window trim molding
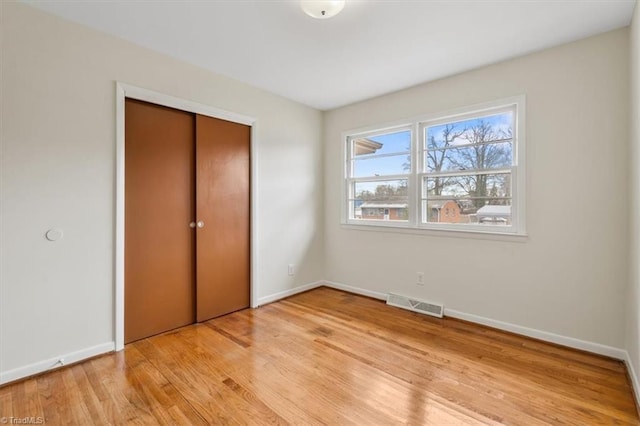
{"x":418,"y":124}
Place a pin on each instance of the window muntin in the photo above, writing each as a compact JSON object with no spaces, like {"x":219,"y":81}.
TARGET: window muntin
{"x":462,"y":173}
{"x":497,"y":154}
{"x":381,"y":166}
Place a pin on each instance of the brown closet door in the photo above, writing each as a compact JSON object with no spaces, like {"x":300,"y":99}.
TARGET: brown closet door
{"x":222,"y":204}
{"x":159,"y":205}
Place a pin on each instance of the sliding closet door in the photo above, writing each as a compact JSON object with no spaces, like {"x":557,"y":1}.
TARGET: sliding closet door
{"x":223,"y":212}
{"x":159,"y":206}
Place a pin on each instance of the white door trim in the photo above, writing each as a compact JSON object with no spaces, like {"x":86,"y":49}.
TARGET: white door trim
{"x":127,"y":91}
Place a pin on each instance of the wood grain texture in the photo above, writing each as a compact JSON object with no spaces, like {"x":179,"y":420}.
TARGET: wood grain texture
{"x":159,"y":254}
{"x":329,"y":357}
{"x":223,"y":203}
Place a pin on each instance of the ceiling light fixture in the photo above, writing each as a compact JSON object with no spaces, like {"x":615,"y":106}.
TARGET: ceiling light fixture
{"x":322,"y":9}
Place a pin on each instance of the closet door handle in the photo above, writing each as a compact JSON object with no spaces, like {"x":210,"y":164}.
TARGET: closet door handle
{"x":192,"y":225}
{"x":200,"y":224}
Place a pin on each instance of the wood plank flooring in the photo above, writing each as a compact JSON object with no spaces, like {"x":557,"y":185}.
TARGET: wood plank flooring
{"x":328,"y":357}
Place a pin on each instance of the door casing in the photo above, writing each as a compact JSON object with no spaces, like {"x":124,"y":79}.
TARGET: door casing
{"x":124,"y":91}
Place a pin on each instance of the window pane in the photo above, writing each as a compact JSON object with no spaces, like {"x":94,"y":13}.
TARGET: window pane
{"x":481,"y":138}
{"x":482,"y":198}
{"x":383,"y":200}
{"x":480,"y":186}
{"x":483,"y":156}
{"x":380,"y":166}
{"x":389,"y":143}
{"x":464,"y":210}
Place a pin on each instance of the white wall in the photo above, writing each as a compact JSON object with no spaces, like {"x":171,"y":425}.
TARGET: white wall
{"x":570,"y":276}
{"x":633,"y":297}
{"x":58,"y":170}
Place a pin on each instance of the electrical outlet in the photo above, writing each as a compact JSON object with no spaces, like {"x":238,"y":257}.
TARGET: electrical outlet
{"x":291,"y":269}
{"x":420,"y":278}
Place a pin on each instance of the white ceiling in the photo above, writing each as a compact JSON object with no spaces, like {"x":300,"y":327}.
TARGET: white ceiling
{"x":371,"y":48}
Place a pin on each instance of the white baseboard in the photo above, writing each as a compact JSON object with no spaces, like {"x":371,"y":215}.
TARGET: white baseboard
{"x":356,"y":290}
{"x":73,"y":357}
{"x":621,"y":354}
{"x":282,"y":294}
{"x":571,"y":342}
{"x":501,"y":325}
{"x":51,"y":363}
{"x":634,"y":378}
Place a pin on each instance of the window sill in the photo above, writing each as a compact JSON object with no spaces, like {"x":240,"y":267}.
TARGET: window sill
{"x":442,"y":233}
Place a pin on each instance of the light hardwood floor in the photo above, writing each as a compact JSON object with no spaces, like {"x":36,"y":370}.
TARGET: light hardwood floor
{"x":328,"y":357}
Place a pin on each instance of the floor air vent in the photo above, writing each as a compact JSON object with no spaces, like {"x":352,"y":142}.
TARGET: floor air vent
{"x":415,"y":305}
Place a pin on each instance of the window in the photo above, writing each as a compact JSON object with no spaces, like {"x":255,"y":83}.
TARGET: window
{"x":460,"y":171}
{"x":379,"y":167}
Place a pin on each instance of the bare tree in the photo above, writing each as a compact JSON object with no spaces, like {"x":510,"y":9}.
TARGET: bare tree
{"x":386,"y":193}
{"x":438,"y":153}
{"x":484,"y":150}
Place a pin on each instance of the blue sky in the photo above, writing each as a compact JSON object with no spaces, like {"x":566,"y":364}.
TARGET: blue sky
{"x":399,"y":142}
{"x":498,"y":122}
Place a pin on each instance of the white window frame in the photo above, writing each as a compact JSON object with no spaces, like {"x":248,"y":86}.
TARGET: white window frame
{"x":415,"y":211}
{"x":350,"y":181}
